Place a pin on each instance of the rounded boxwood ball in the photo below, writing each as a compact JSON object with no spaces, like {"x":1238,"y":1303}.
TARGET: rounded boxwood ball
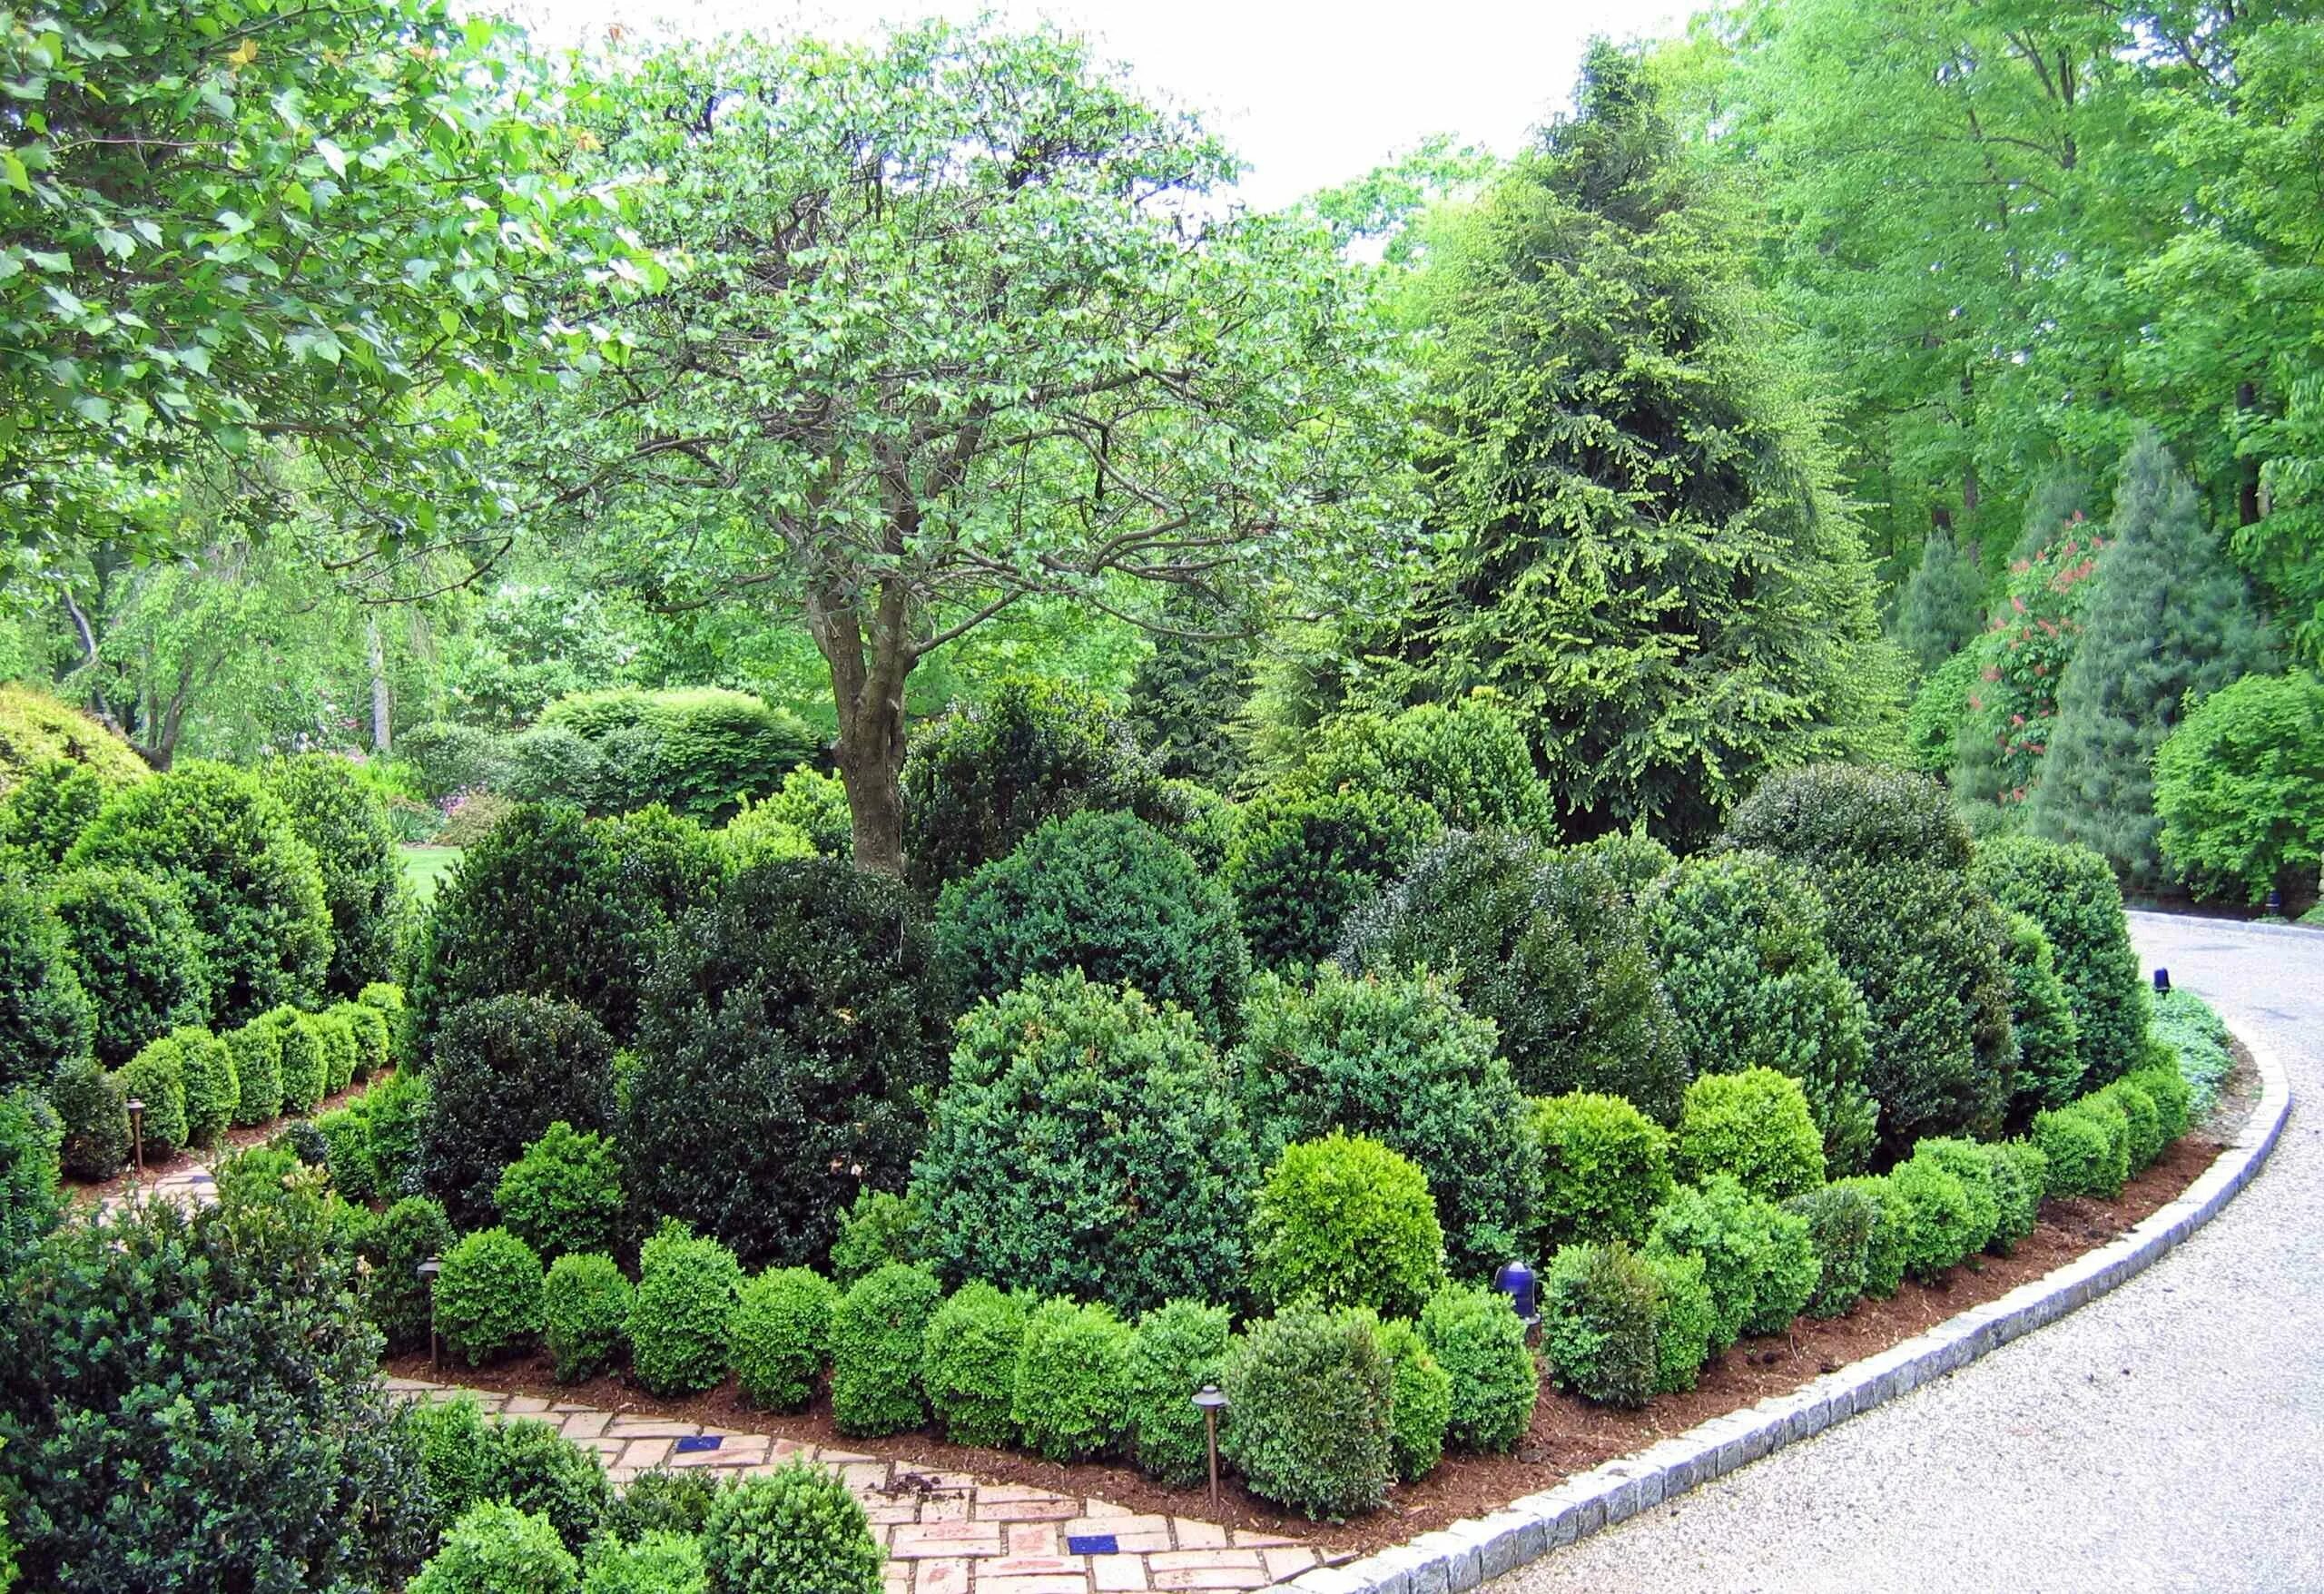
{"x":1309,"y":1397}
{"x":1346,"y":1222}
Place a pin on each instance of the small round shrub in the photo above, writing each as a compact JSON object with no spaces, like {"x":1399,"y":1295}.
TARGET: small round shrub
{"x":2021,"y":1175}
{"x":447,"y":1438}
{"x":257,"y":1049}
{"x":2049,"y":1042}
{"x":1685,"y":1318}
{"x":504,"y":1069}
{"x":46,"y":1020}
{"x":303,"y":1064}
{"x":136,"y":952}
{"x":31,"y":1203}
{"x":1346,"y":1222}
{"x":679,"y":1318}
{"x":1605,"y":1167}
{"x":156,"y":1076}
{"x":1308,"y":1418}
{"x":533,"y":1467}
{"x":584,"y":1314}
{"x":657,"y":1562}
{"x":878,"y":1332}
{"x":1480,"y":1343}
{"x":879,"y":1227}
{"x":796,"y":1531}
{"x":2070,"y":892}
{"x":664,"y":1501}
{"x":1841,"y":1220}
{"x":969,"y":1363}
{"x":1790,"y":1272}
{"x":396,"y":1109}
{"x":1755,"y":1126}
{"x":703,"y":750}
{"x":1471,"y":760}
{"x":564,"y":1194}
{"x":1111,"y":896}
{"x":1939,"y":1218}
{"x":489,"y":1296}
{"x":1301,"y":862}
{"x":212,"y":1090}
{"x":2147,"y":1140}
{"x":1601,"y":1330}
{"x":346,"y":1137}
{"x":386,"y":1000}
{"x":814,"y":804}
{"x":340,"y":1050}
{"x":2113,"y":1119}
{"x":1179,"y":1348}
{"x":88,"y":1102}
{"x":496,"y":1549}
{"x":1974,"y":1163}
{"x":394,"y":1295}
{"x":1758,"y":1261}
{"x":780,"y":1335}
{"x":1072,"y":1399}
{"x":374,"y":1047}
{"x":1883,"y":1252}
{"x":1419,"y":1401}
{"x":2162,"y":1084}
{"x":344,"y":820}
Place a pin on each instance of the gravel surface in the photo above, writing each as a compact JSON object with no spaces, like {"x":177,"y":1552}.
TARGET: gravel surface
{"x":2168,"y":1436}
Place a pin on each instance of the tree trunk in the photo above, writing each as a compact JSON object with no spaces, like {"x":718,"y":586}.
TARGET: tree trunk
{"x":872,"y":766}
{"x":381,"y":706}
{"x":870,"y":655}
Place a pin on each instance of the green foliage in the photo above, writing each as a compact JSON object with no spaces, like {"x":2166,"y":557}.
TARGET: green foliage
{"x":2079,"y":1153}
{"x":1480,"y":1343}
{"x":664,"y":1501}
{"x":2162,"y":1083}
{"x":533,"y":1467}
{"x":684,"y":1310}
{"x":781,"y":1334}
{"x":796,"y":1531}
{"x":88,"y":1104}
{"x":37,"y":732}
{"x":256,"y":1049}
{"x":1758,"y":1261}
{"x":447,"y":758}
{"x":2185,"y":1026}
{"x":394,"y":1298}
{"x":1600,"y":1327}
{"x":1883,"y":1255}
{"x":1346,"y":1221}
{"x":345,"y":824}
{"x":790,"y":1033}
{"x":702,"y":751}
{"x":1468,"y":759}
{"x":2071,"y":892}
{"x":878,"y":1332}
{"x":1308,"y":1416}
{"x":1754,"y":1126}
{"x":2239,"y":786}
{"x":31,"y":1203}
{"x":1420,"y":1401}
{"x":1606,"y":1166}
{"x":504,"y":1069}
{"x":1934,"y":720}
{"x":2020,"y":1178}
{"x":449,"y":1437}
{"x":2147,"y":1140}
{"x":881,"y":1227}
{"x":1686,"y":1318}
{"x":489,"y":1296}
{"x":496,"y":1549}
{"x":1396,"y":1058}
{"x":156,"y":1076}
{"x":969,"y":1363}
{"x":136,"y":953}
{"x":1184,"y":697}
{"x":335,"y":1036}
{"x":212,"y":1090}
{"x":658,"y":1563}
{"x":374,"y":1037}
{"x":1301,"y":862}
{"x":46,"y":1018}
{"x":2041,"y":1016}
{"x":1109,"y":895}
{"x":1938,"y":1216}
{"x":1942,"y":606}
{"x":48,"y":807}
{"x":564,"y":1194}
{"x":395,"y":1111}
{"x":584,"y":1314}
{"x":814,"y":804}
{"x":1071,"y":1397}
{"x":1975,"y":1163}
{"x":305,"y":1068}
{"x":1841,"y":1219}
{"x":1071,"y":1110}
{"x":1180,"y":1347}
{"x":2008,"y":716}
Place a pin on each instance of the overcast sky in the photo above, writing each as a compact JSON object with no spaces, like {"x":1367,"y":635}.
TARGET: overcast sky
{"x":1308,"y":94}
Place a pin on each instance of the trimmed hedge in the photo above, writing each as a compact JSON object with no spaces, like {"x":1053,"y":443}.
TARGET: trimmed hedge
{"x":879,"y":1330}
{"x":1470,"y":760}
{"x":1420,"y":1401}
{"x":1940,"y":1216}
{"x":1600,"y":1323}
{"x":156,"y":1076}
{"x":305,"y":1070}
{"x":1480,"y":1343}
{"x":879,"y":1227}
{"x":1071,"y":1397}
{"x":1755,"y":1126}
{"x":584,"y":1314}
{"x":969,"y":1363}
{"x":344,"y":820}
{"x":2049,"y":1042}
{"x":1841,"y":1221}
{"x":780,"y":1335}
{"x":1309,"y":1395}
{"x":31,"y":1201}
{"x":257,"y":1051}
{"x":489,"y":1295}
{"x":1758,"y":1261}
{"x":1686,"y":1318}
{"x":212,"y":1090}
{"x":682,"y":1312}
{"x":1885,"y":1249}
{"x":1179,"y":1348}
{"x":1606,"y":1166}
{"x":1346,"y":1222}
{"x":46,"y":1018}
{"x":564,"y":1194}
{"x":504,"y":1069}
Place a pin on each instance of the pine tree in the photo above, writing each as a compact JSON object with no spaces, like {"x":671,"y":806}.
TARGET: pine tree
{"x":2054,"y":511}
{"x":1187,"y":692}
{"x":1939,"y":613}
{"x":2170,"y":620}
{"x":1650,"y":561}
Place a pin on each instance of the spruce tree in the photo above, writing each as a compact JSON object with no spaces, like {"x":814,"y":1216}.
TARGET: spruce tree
{"x":1187,"y":692}
{"x":1939,"y":613}
{"x":2170,"y":620}
{"x":1650,"y":561}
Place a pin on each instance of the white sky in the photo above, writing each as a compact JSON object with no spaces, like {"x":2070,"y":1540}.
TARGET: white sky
{"x":1308,"y":94}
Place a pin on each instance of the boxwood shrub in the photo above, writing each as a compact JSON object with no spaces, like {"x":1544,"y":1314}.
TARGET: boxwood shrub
{"x":257,"y":1049}
{"x":2147,"y":1140}
{"x":347,"y":1137}
{"x":2076,"y":1153}
{"x":1419,"y":1401}
{"x":2049,"y":1045}
{"x":2162,"y":1083}
{"x":1685,"y":1318}
{"x":504,"y":1069}
{"x":1071,"y":1397}
{"x":496,"y":1549}
{"x":395,"y":1298}
{"x":781,"y":1336}
{"x":489,"y":1296}
{"x":395,"y":1111}
{"x":304,"y":1067}
{"x":969,"y":1363}
{"x":156,"y":1076}
{"x":1179,"y":1347}
{"x":1758,"y":1261}
{"x":2070,"y":892}
{"x":530,"y":1465}
{"x":878,"y":1331}
{"x":879,"y":1227}
{"x":1605,"y":1166}
{"x":684,"y":1311}
{"x":1307,"y":1423}
{"x":1754,"y":1126}
{"x":794,"y":1530}
{"x":1346,"y":1222}
{"x":1883,"y":1252}
{"x":1471,"y":760}
{"x":1300,"y":862}
{"x":666,"y":1500}
{"x":340,"y":1050}
{"x":136,"y":952}
{"x":2021,"y":1175}
{"x":51,"y":803}
{"x":1600,"y":1329}
{"x":212,"y":1089}
{"x":31,"y":1202}
{"x":655,"y":1563}
{"x":1840,"y":1221}
{"x":584,"y":1314}
{"x":89,"y":1105}
{"x":374,"y":1047}
{"x":46,"y":1020}
{"x":1939,"y":1216}
{"x":345,"y":821}
{"x":1480,"y":1343}
{"x":564,"y":1194}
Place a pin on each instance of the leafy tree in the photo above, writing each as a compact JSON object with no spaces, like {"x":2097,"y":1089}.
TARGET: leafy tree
{"x":1187,"y":691}
{"x":2009,"y":713}
{"x":1938,"y":610}
{"x":2240,"y":785}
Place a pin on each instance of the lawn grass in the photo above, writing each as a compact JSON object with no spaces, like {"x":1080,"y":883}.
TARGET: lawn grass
{"x":424,"y":867}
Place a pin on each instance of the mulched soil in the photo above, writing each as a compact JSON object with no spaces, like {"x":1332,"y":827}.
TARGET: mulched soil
{"x":235,"y":1139}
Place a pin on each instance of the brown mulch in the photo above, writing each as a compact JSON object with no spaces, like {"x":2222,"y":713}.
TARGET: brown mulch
{"x":235,"y":1139}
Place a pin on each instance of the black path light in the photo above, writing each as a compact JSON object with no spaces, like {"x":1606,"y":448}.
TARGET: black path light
{"x":1210,"y":1400}
{"x":428,"y":1271}
{"x":137,"y":1133}
{"x":1516,"y":1281}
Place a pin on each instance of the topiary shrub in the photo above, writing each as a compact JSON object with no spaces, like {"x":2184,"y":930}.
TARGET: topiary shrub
{"x":2162,"y":1084}
{"x":1939,"y":1216}
{"x":396,"y":1110}
{"x":794,"y":1530}
{"x":881,"y":1227}
{"x":374,"y":1045}
{"x":304,"y":1067}
{"x":664,"y":1501}
{"x":2070,"y":892}
{"x":2021,"y":1174}
{"x":136,"y":952}
{"x":2049,"y":1041}
{"x":1606,"y":1166}
{"x":489,"y":1296}
{"x":212,"y":1089}
{"x":1308,"y":1418}
{"x":496,"y":1549}
{"x":780,"y":1335}
{"x":1470,"y":760}
{"x":394,"y":1298}
{"x":1179,"y":1348}
{"x":1071,"y":1107}
{"x":45,"y":812}
{"x":387,"y":1001}
{"x":257,"y":1051}
{"x":1974,"y":1164}
{"x":814,"y":804}
{"x":2113,"y":1119}
{"x":344,"y":820}
{"x":533,"y":1467}
{"x":336,"y":1037}
{"x":584,"y":1314}
{"x":1754,"y":1126}
{"x":1739,"y":938}
{"x":798,"y":1021}
{"x":1883,"y":1252}
{"x":1759,"y":1263}
{"x":156,"y":1076}
{"x":1071,"y":1397}
{"x":658,"y":1563}
{"x":347,"y":1137}
{"x":46,"y":1020}
{"x":1480,"y":1343}
{"x":1398,"y":1059}
{"x":702,"y":750}
{"x":1685,"y":1318}
{"x":1840,"y":1221}
{"x":1600,"y":1328}
{"x":31,"y":1203}
{"x":684,"y":1310}
{"x":564,"y":1194}
{"x":1300,"y":862}
{"x":969,"y":1362}
{"x":88,"y":1102}
{"x":878,"y":1333}
{"x":1419,"y":1401}
{"x":1346,"y":1222}
{"x":1111,"y":896}
{"x":253,"y":888}
{"x":506,"y":1069}
{"x":2147,"y":1140}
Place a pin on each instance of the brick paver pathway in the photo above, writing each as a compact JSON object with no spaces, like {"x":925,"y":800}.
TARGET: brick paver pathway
{"x":188,"y":1186}
{"x":945,"y":1532}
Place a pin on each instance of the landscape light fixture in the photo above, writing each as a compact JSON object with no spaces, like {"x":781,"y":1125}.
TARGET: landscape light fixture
{"x":137,"y":1135}
{"x":2162,"y":982}
{"x":1516,"y":1281}
{"x":1210,"y":1400}
{"x":428,"y":1271}
{"x":2275,"y":903}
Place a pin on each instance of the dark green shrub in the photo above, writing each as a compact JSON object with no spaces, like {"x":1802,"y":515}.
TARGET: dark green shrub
{"x":790,"y":1032}
{"x":664,"y":1501}
{"x":257,"y":1051}
{"x":702,"y":750}
{"x":1759,"y":1263}
{"x":1606,"y":1166}
{"x":448,"y":1437}
{"x":687,"y":1286}
{"x":1071,"y":1397}
{"x":1470,"y":760}
{"x":1111,"y":896}
{"x":796,"y":1531}
{"x":156,"y":1076}
{"x":1346,"y":1222}
{"x":564,"y":1194}
{"x":303,"y":1064}
{"x":489,"y":1296}
{"x":136,"y":952}
{"x":506,"y":1068}
{"x":46,"y":1020}
{"x":1939,"y":1218}
{"x":1685,"y":1318}
{"x":878,"y":1332}
{"x":533,"y":1467}
{"x":1300,"y":862}
{"x":2162,"y":1084}
{"x":31,"y":1203}
{"x":1840,"y":1221}
{"x":1755,"y":1126}
{"x":553,"y":764}
{"x":1550,"y":947}
{"x":394,"y":1296}
{"x":1072,"y":1109}
{"x":47,"y":809}
{"x":496,"y":1549}
{"x":2147,"y":1140}
{"x":303,"y":1141}
{"x":1973,"y":1163}
{"x":345,"y":820}
{"x":1180,"y":1347}
{"x":969,"y":1363}
{"x":780,"y":1335}
{"x":212,"y":1089}
{"x":881,"y":1227}
{"x":584,"y":1314}
{"x":654,"y":1563}
{"x":346,"y":1132}
{"x":1308,"y":1417}
{"x":1480,"y":1343}
{"x":88,"y":1103}
{"x":1883,"y":1252}
{"x":1739,"y":938}
{"x":2049,"y":1042}
{"x":339,"y":1047}
{"x":1398,"y":1059}
{"x":374,"y":1047}
{"x":2021,"y":1175}
{"x":666,"y":865}
{"x":396,"y":1110}
{"x":2070,"y":892}
{"x":253,"y":888}
{"x":1600,"y":1329}
{"x":1419,"y":1401}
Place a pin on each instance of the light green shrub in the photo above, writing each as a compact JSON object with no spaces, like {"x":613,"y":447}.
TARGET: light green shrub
{"x":156,"y":1076}
{"x":1346,"y":1222}
{"x":1606,"y":1166}
{"x":496,"y":1549}
{"x":1939,"y":1218}
{"x":878,"y":1332}
{"x":564,"y":1194}
{"x":1179,"y":1347}
{"x":1972,"y":1163}
{"x":678,"y":1321}
{"x":1480,"y":1343}
{"x":489,"y":1296}
{"x":584,"y":1309}
{"x":212,"y":1093}
{"x":796,"y":1531}
{"x":969,"y":1362}
{"x":1754,"y":1126}
{"x":1685,"y":1318}
{"x":1071,"y":1399}
{"x":1421,"y":1400}
{"x":781,"y":1336}
{"x":1308,"y":1420}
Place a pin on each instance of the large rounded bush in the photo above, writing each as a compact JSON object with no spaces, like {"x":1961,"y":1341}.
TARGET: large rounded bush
{"x":796,"y":1531}
{"x":1470,"y":760}
{"x":878,"y":1331}
{"x":496,"y":1549}
{"x":1300,"y":862}
{"x":780,"y":1335}
{"x":533,"y":1467}
{"x":346,"y":822}
{"x":1755,"y":1126}
{"x":46,"y":1016}
{"x":253,"y":888}
{"x":1088,"y":1146}
{"x":791,"y":1033}
{"x":1071,"y":1397}
{"x":1480,"y":1343}
{"x":1396,"y":1058}
{"x":1346,"y":1222}
{"x":684,"y":1311}
{"x":584,"y":1314}
{"x":2240,"y":785}
{"x":1180,"y":1348}
{"x":1605,"y":1167}
{"x":702,"y":750}
{"x":1600,"y":1323}
{"x":489,"y":1295}
{"x":45,"y":812}
{"x":969,"y":1363}
{"x":564,"y":1194}
{"x":2070,"y":892}
{"x":137,"y":954}
{"x":506,"y":1068}
{"x":1309,"y":1395}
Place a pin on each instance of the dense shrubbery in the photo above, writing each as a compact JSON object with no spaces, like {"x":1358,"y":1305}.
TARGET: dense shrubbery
{"x":1307,"y":1422}
{"x":30,"y":1201}
{"x":1346,"y":1222}
{"x":46,"y":1018}
{"x":496,"y":1549}
{"x":699,"y":750}
{"x":346,"y":822}
{"x":564,"y":1194}
{"x":1481,"y":1345}
{"x":1071,"y":1395}
{"x":489,"y":1296}
{"x":394,"y":1295}
{"x":796,"y":1529}
{"x":1421,"y":1400}
{"x":1758,"y":1260}
{"x":136,"y":952}
{"x":1469,"y":761}
{"x":1300,"y":862}
{"x":969,"y":1363}
{"x":1179,"y":1348}
{"x":1600,"y":1323}
{"x":506,"y":1068}
{"x":781,"y":1334}
{"x":1842,"y":1219}
{"x":256,"y":1049}
{"x":156,"y":1077}
{"x":1754,"y":1126}
{"x":88,"y":1102}
{"x":881,"y":1227}
{"x":680,"y":1317}
{"x":1939,"y":1216}
{"x":2240,"y":786}
{"x":1606,"y":1166}
{"x":46,"y":812}
{"x":584,"y":1314}
{"x":2070,"y":891}
{"x":878,"y":1332}
{"x":2041,"y":1016}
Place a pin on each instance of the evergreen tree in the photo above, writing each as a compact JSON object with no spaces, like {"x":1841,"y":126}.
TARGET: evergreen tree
{"x":1184,"y":696}
{"x":2170,"y":620}
{"x":2054,"y":511}
{"x":1650,"y":562}
{"x":1938,"y":612}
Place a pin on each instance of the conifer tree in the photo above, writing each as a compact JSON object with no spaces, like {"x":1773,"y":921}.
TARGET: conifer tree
{"x":1939,"y":613}
{"x":1187,"y":692}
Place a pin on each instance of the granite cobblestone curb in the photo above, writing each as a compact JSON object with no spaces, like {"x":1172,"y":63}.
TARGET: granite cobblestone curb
{"x":1470,"y":1553}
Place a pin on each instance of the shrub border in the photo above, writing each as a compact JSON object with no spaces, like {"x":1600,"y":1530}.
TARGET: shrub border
{"x":1471,"y":1552}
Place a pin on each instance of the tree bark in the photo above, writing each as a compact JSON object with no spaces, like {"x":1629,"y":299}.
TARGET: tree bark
{"x":382,"y":705}
{"x":870,"y":655}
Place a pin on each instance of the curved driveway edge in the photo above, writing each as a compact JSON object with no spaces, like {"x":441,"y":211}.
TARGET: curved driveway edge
{"x":1468,"y":1553}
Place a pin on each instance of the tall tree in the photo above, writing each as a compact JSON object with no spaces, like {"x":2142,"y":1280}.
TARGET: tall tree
{"x":1938,"y":610}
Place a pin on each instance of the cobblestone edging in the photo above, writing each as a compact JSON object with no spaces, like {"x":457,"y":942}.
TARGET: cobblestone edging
{"x":1469,"y":1553}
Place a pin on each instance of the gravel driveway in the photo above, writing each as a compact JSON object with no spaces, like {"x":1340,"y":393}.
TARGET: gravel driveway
{"x":2168,"y":1436}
